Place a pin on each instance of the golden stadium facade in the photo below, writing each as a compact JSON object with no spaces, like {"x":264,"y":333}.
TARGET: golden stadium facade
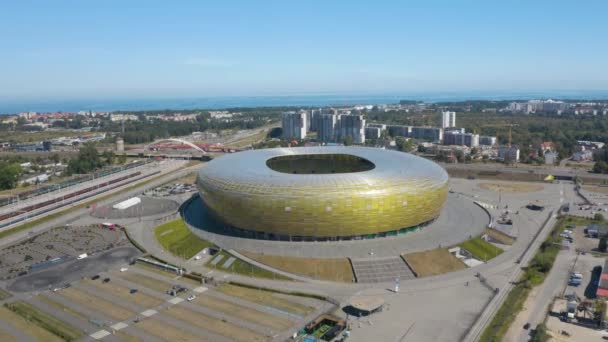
{"x":321,"y":193}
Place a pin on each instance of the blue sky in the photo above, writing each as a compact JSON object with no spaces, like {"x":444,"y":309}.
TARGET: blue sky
{"x":76,"y":49}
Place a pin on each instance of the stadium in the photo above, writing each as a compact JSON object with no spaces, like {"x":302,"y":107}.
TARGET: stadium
{"x":323,"y":193}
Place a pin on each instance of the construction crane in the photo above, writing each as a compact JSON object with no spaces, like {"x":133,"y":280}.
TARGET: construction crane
{"x":510,"y":125}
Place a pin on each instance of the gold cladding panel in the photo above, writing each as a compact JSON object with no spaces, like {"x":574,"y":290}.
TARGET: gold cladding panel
{"x":344,"y":210}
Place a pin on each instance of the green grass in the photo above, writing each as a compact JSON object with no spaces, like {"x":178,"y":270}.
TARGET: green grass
{"x":534,"y":275}
{"x":4,"y":294}
{"x":244,"y":268}
{"x":175,"y":237}
{"x":45,"y":321}
{"x":481,"y":249}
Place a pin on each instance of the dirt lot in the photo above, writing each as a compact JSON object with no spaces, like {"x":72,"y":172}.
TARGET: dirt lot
{"x":433,"y":262}
{"x":511,"y":187}
{"x":326,"y":269}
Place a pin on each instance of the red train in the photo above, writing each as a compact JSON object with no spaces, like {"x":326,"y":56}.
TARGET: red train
{"x":67,"y":196}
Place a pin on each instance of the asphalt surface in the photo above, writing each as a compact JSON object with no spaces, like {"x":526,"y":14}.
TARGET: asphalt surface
{"x":148,"y":206}
{"x":73,"y":270}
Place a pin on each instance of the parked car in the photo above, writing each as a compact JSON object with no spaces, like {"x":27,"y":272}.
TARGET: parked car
{"x":527,"y":326}
{"x":191,"y":298}
{"x":106,"y":280}
{"x":95,"y":277}
{"x":132,"y":291}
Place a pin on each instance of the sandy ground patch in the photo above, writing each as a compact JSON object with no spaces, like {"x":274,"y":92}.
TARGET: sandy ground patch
{"x":433,"y":262}
{"x":511,"y":187}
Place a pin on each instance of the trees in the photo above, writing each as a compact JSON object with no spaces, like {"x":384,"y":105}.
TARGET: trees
{"x":9,"y":175}
{"x":598,"y":217}
{"x":600,"y":167}
{"x":87,"y":160}
{"x":403,"y":144}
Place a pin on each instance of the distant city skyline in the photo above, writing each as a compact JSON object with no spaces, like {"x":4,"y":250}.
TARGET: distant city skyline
{"x":195,"y":49}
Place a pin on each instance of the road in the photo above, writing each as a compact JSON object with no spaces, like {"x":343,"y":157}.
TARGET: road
{"x":77,"y":214}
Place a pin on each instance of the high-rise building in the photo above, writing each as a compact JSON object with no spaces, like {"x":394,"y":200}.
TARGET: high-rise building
{"x":294,"y":125}
{"x":427,"y":133}
{"x":487,"y":140}
{"x":508,"y":154}
{"x":373,"y":132}
{"x":448,"y":119}
{"x":326,"y":126}
{"x":457,"y":137}
{"x":399,"y":131}
{"x":352,"y":126}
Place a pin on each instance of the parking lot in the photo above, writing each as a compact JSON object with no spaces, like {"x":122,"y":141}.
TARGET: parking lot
{"x":132,"y":302}
{"x":56,"y":246}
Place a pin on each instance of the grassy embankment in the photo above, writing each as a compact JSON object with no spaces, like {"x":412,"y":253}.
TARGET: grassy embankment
{"x":45,"y":321}
{"x":337,"y":269}
{"x":175,"y":237}
{"x":433,"y":262}
{"x":534,"y":275}
{"x":481,"y":249}
{"x":241,"y":267}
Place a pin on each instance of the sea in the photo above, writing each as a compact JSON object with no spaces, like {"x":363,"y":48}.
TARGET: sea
{"x":221,"y":102}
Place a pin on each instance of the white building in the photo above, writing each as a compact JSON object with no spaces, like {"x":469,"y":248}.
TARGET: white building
{"x":487,"y":140}
{"x":550,"y":158}
{"x":448,"y":119}
{"x":458,"y":137}
{"x":373,"y":132}
{"x":294,"y":125}
{"x":123,"y":117}
{"x":326,"y":126}
{"x":510,"y":154}
{"x":352,"y":126}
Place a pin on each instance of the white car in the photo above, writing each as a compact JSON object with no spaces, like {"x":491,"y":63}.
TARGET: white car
{"x":191,"y":298}
{"x":123,"y":269}
{"x":198,"y":257}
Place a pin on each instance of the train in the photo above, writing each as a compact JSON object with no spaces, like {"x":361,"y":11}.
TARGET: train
{"x":68,"y":183}
{"x":67,"y":196}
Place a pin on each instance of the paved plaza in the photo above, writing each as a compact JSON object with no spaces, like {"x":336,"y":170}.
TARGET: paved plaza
{"x":381,"y":270}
